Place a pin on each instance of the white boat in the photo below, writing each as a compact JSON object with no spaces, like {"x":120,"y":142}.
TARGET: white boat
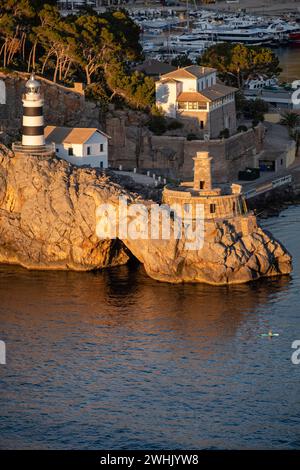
{"x":189,"y":46}
{"x":247,"y":29}
{"x":252,"y":36}
{"x":150,"y":47}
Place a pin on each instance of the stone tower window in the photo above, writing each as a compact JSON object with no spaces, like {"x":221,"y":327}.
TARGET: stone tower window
{"x":212,"y":208}
{"x":202,"y":183}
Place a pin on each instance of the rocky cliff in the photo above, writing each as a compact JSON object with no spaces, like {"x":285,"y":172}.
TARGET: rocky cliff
{"x":47,"y":215}
{"x":228,"y":256}
{"x":48,"y":221}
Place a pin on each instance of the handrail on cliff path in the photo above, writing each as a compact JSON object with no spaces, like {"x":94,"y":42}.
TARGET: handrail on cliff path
{"x":268,"y":186}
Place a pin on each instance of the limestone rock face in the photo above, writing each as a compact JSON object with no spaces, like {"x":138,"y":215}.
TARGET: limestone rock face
{"x":48,"y":221}
{"x":47,"y":215}
{"x":225,"y":258}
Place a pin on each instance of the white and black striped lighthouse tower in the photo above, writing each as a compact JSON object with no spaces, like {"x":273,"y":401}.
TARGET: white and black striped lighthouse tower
{"x":33,"y":119}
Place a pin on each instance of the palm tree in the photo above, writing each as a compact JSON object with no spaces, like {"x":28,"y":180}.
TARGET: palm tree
{"x":291,"y":120}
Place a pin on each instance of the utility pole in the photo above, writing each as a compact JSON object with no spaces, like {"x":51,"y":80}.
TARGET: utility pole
{"x":187,"y":16}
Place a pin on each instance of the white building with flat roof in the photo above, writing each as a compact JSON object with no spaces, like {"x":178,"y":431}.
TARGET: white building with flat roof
{"x":79,"y":145}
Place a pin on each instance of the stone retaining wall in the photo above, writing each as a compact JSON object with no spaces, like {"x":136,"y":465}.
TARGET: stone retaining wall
{"x":131,"y":144}
{"x":226,"y":206}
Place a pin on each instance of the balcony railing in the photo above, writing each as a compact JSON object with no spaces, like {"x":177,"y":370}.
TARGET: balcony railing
{"x":191,"y":106}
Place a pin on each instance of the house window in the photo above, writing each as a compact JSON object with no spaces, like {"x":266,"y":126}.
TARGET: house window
{"x":101,"y":147}
{"x":57,"y":150}
{"x":202,"y":105}
{"x":201,"y":124}
{"x":212,"y":208}
{"x":101,"y":164}
{"x":70,"y":151}
{"x":88,"y":150}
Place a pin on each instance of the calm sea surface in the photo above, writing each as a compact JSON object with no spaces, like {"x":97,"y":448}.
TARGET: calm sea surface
{"x":116,"y":360}
{"x":289,"y":62}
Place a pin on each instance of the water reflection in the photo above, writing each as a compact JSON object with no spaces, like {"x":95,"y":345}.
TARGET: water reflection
{"x":114,"y":359}
{"x":126,"y":298}
{"x":289,"y":62}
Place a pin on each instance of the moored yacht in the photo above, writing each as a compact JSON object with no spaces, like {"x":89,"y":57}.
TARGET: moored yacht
{"x":253,"y":36}
{"x":294,"y":36}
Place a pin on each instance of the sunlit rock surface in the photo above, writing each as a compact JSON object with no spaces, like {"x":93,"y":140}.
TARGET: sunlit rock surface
{"x":48,"y":221}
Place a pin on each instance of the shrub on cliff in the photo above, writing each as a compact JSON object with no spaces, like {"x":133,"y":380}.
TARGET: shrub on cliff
{"x":251,"y":109}
{"x":157,"y":125}
{"x":242,"y":128}
{"x":255,"y":109}
{"x":174,"y":124}
{"x":224,"y":134}
{"x":191,"y":136}
{"x":98,"y":92}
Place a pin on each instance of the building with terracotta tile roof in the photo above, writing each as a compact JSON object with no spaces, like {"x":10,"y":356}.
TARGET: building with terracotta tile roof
{"x":193,"y":92}
{"x":79,"y":145}
{"x":155,"y":68}
{"x":191,"y":71}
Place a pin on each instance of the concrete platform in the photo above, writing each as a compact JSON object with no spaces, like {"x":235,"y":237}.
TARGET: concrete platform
{"x":137,"y":177}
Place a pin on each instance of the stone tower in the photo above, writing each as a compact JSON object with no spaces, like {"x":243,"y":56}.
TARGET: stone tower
{"x":226,"y":203}
{"x":202,"y":172}
{"x":33,"y":119}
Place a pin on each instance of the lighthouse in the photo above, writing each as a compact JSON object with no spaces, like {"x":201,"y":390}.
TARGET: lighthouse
{"x":33,"y":119}
{"x":33,"y":138}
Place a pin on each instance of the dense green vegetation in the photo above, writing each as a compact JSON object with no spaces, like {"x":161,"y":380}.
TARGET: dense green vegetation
{"x":235,"y":62}
{"x":91,"y":47}
{"x":100,"y":49}
{"x":253,"y":110}
{"x":158,"y":124}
